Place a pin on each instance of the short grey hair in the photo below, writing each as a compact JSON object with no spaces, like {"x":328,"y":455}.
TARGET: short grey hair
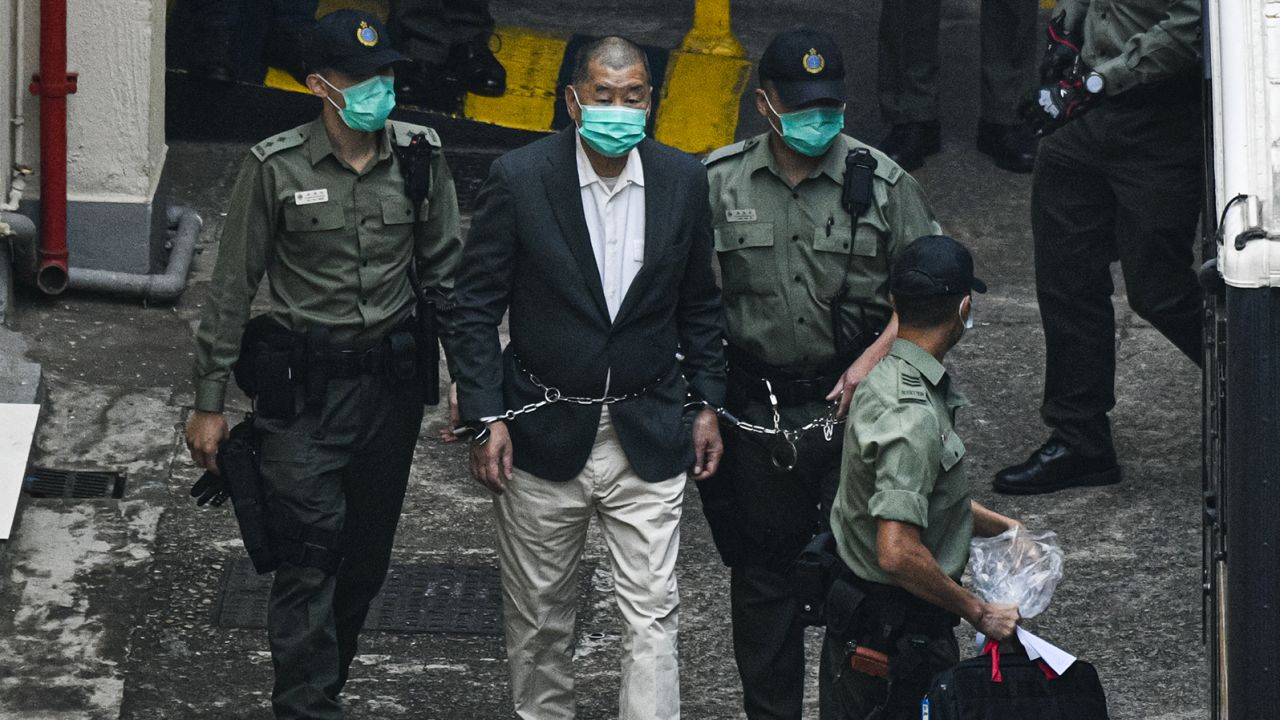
{"x":614,"y":52}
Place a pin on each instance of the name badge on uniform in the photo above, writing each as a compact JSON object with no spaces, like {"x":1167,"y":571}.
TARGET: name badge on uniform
{"x":745,"y":215}
{"x":311,"y":197}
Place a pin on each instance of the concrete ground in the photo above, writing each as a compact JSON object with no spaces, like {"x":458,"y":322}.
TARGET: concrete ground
{"x":107,"y":605}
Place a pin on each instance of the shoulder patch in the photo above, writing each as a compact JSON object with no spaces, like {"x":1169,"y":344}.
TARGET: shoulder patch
{"x":402,"y":131}
{"x":911,"y":388}
{"x":727,"y":151}
{"x":276,"y":143}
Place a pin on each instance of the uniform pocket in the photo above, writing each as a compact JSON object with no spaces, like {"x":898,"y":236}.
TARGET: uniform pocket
{"x":858,"y":249}
{"x":397,"y":210}
{"x":952,"y":450}
{"x":746,"y":257}
{"x":313,"y":218}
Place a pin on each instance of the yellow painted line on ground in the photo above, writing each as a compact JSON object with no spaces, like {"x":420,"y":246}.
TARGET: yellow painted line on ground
{"x":532,"y":60}
{"x":699,"y":108}
{"x":1048,"y":4}
{"x":281,"y":80}
{"x":704,"y":83}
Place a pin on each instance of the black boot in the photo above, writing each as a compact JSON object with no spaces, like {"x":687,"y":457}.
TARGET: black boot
{"x":473,"y":63}
{"x":908,"y":144}
{"x":1054,"y":466}
{"x":1013,"y":147}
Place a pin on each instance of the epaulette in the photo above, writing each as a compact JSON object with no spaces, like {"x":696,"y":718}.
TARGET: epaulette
{"x":276,"y":143}
{"x":911,"y":387}
{"x":729,"y":151}
{"x":401,"y":132}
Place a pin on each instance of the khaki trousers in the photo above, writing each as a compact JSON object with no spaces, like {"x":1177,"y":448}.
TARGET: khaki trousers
{"x":541,"y":531}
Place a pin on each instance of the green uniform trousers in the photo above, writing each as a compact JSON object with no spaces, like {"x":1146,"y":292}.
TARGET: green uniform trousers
{"x":774,"y":514}
{"x":343,"y":469}
{"x":1124,"y":182}
{"x":909,"y":62}
{"x":425,"y":29}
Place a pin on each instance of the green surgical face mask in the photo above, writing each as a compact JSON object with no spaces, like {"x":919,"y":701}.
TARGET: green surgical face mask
{"x":611,"y":130}
{"x":368,"y":103}
{"x":810,"y":131}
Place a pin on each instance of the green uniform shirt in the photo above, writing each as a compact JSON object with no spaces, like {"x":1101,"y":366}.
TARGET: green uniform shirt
{"x":903,"y":461}
{"x":334,"y":244}
{"x":783,"y":251}
{"x":1134,"y":42}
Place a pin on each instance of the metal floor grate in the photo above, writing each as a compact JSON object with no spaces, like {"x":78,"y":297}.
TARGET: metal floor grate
{"x":73,"y":484}
{"x":416,"y":598}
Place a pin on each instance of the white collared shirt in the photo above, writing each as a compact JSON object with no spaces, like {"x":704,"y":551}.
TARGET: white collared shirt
{"x":615,"y":222}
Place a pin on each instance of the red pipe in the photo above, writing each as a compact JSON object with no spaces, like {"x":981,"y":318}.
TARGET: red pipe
{"x":53,"y":84}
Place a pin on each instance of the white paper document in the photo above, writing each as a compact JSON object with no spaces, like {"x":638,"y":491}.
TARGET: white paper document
{"x":1037,"y":648}
{"x":17,"y":428}
{"x":1053,"y":656}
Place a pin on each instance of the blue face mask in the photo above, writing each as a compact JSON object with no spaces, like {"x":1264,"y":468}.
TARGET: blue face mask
{"x":368,"y":103}
{"x":810,"y":131}
{"x":611,"y":130}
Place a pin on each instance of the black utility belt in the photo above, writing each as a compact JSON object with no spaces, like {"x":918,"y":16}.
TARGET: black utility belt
{"x":748,"y":376}
{"x":788,"y":392}
{"x":274,"y":362}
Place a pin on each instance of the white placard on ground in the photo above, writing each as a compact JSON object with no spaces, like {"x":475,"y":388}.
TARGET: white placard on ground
{"x":17,"y":428}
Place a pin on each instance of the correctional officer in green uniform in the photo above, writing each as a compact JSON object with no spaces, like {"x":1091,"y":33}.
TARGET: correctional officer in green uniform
{"x":910,"y":80}
{"x":902,"y":518}
{"x":321,"y":210}
{"x":1120,"y":177}
{"x":787,"y":247}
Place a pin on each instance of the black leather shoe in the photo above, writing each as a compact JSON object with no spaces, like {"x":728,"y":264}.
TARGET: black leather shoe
{"x":1013,"y":147}
{"x":428,"y":86}
{"x":908,"y":144}
{"x":1054,"y":466}
{"x":473,"y":63}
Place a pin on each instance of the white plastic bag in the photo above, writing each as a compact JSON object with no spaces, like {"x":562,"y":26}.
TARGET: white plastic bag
{"x":1016,"y":566}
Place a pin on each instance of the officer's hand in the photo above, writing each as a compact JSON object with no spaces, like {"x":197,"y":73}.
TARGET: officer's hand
{"x":1064,"y":43}
{"x":1057,"y":103}
{"x":205,"y":432}
{"x":491,"y":462}
{"x":446,"y":433}
{"x":848,"y":382}
{"x":999,"y":621}
{"x":707,"y":445}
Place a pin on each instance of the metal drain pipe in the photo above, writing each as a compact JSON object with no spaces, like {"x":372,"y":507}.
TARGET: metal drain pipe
{"x":155,"y":288}
{"x":52,"y":85}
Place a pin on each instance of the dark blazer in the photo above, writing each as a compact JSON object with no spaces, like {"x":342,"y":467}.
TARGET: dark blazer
{"x":529,"y":254}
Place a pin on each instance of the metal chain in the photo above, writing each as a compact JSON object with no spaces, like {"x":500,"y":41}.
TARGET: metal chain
{"x":788,"y":436}
{"x":551,"y":395}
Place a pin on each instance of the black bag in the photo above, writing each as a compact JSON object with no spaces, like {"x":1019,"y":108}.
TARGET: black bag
{"x":1009,"y":686}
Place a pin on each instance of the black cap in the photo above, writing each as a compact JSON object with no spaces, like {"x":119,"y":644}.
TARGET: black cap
{"x":804,"y":65}
{"x":352,"y":42}
{"x":934,"y":265}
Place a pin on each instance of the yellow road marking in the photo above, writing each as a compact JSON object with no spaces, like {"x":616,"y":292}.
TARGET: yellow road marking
{"x":281,"y":80}
{"x":704,"y":83}
{"x":532,"y":60}
{"x":1048,"y":4}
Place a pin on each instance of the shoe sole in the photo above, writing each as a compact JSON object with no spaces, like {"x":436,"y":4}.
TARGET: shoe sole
{"x":1108,"y":477}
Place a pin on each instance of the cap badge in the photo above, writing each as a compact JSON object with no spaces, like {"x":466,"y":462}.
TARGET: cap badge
{"x":367,"y":36}
{"x":813,"y":62}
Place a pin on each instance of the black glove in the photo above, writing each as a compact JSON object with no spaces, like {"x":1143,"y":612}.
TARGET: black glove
{"x":1057,"y":103}
{"x":1064,"y":43}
